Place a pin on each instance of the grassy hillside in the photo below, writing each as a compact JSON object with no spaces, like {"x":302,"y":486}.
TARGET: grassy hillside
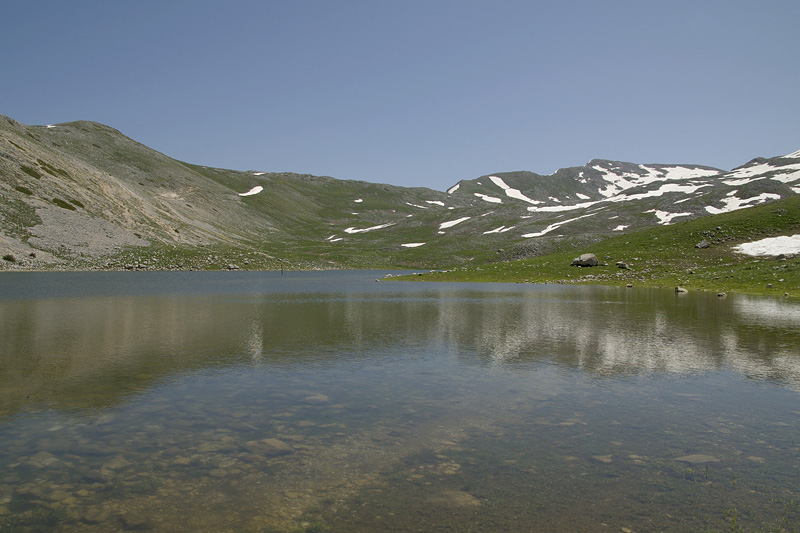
{"x":667,"y":256}
{"x":82,"y":195}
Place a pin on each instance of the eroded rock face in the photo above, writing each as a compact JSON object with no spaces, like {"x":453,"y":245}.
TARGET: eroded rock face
{"x":585,"y":260}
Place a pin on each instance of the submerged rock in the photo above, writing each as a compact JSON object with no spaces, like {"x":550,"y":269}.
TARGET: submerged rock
{"x":268,"y":447}
{"x":135,"y":521}
{"x":697,"y":459}
{"x":455,"y":498}
{"x":317,"y":399}
{"x":94,"y":515}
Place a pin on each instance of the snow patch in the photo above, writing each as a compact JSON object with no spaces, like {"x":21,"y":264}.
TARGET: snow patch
{"x":373,"y":228}
{"x":501,"y":229}
{"x":620,"y":228}
{"x":412,"y":244}
{"x":732,"y":203}
{"x":452,"y":223}
{"x":787,"y":156}
{"x":681,"y":173}
{"x":551,"y":227}
{"x":763,"y":168}
{"x":666,"y":218}
{"x":512,"y":193}
{"x":454,"y":188}
{"x":626,"y":180}
{"x":255,"y":190}
{"x":558,"y":208}
{"x":434,"y":202}
{"x":581,"y":196}
{"x":359,"y":200}
{"x":786,"y":178}
{"x":488,"y":198}
{"x":258,"y":173}
{"x":741,"y":181}
{"x":685,"y":188}
{"x":415,"y":205}
{"x":770,"y":246}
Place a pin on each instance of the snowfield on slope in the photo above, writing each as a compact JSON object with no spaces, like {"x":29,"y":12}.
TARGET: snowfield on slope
{"x":512,"y":193}
{"x":255,"y":190}
{"x":665,"y":218}
{"x":452,"y":223}
{"x":627,"y":180}
{"x":487,"y":198}
{"x":770,"y":246}
{"x":364,"y":230}
{"x":732,"y":203}
{"x":551,"y":227}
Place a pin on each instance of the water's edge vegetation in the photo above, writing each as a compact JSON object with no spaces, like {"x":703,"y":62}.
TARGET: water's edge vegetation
{"x":666,"y":256}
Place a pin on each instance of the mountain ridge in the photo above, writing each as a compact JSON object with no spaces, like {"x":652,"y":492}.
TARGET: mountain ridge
{"x":83,"y":195}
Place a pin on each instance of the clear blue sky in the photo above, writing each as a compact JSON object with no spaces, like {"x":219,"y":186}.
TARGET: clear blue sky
{"x":414,"y":93}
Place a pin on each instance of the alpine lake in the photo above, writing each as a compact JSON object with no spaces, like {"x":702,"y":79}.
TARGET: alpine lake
{"x":327,"y":401}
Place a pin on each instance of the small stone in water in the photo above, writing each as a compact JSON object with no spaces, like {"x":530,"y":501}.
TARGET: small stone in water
{"x":455,"y":498}
{"x":697,"y":459}
{"x":41,"y":459}
{"x":135,"y":521}
{"x":317,"y":398}
{"x":269,"y":447}
{"x":58,"y":495}
{"x":95,"y":516}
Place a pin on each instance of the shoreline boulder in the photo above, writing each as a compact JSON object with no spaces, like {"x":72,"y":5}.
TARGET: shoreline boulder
{"x":585,"y":260}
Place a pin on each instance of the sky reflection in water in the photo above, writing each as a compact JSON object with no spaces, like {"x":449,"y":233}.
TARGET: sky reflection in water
{"x":132,"y":399}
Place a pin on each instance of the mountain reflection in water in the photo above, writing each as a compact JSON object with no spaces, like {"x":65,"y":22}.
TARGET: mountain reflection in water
{"x":255,"y":401}
{"x":53,"y":344}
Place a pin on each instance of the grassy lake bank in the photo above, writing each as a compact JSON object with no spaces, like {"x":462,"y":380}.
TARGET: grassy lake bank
{"x":667,"y":256}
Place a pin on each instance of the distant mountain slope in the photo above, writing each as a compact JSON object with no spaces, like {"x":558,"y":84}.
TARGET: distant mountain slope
{"x":624,"y":195}
{"x":83,"y":195}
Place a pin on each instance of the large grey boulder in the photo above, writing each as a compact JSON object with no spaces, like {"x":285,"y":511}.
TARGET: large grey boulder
{"x":585,"y":260}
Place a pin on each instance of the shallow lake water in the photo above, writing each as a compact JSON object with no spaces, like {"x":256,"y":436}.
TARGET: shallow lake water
{"x":329,"y":402}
